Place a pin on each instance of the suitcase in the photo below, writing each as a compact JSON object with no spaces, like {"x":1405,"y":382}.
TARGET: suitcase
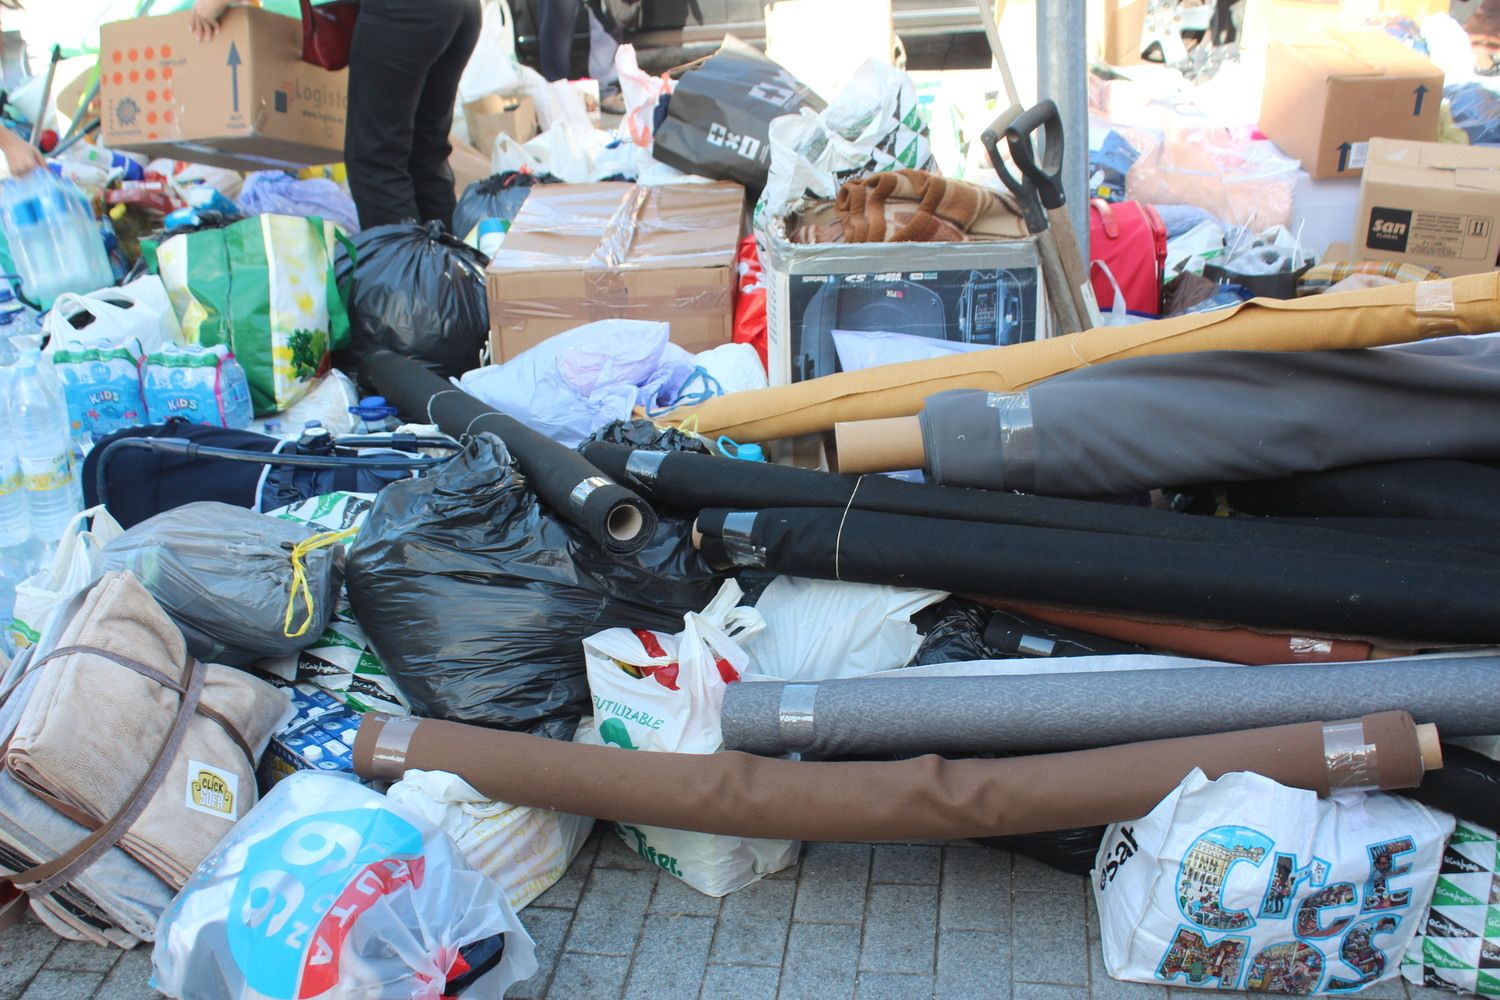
{"x":1131,"y":240}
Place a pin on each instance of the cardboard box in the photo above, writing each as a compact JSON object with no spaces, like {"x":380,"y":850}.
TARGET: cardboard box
{"x":1430,"y":203}
{"x":1124,"y":22}
{"x":985,"y":293}
{"x":577,"y":253}
{"x":1327,"y":95}
{"x":244,"y":100}
{"x":497,"y":115}
{"x":468,"y":165}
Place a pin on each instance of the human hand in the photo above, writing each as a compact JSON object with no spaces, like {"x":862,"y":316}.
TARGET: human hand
{"x":19,"y":155}
{"x":205,"y":18}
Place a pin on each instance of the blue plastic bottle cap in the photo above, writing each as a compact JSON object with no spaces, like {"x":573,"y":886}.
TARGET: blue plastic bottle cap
{"x":751,"y":453}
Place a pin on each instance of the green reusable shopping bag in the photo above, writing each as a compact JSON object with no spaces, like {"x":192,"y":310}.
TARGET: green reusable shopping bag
{"x":265,"y":287}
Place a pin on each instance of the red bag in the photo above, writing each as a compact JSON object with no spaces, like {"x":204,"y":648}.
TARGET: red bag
{"x":328,"y":32}
{"x":1131,"y":240}
{"x":750,"y":298}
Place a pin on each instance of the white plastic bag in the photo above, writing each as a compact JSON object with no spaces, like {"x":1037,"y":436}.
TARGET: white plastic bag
{"x":524,"y":850}
{"x":859,"y":349}
{"x":492,"y":67}
{"x":75,"y":565}
{"x":735,"y":367}
{"x":569,"y":386}
{"x":641,"y":92}
{"x":139,"y":311}
{"x":872,"y":126}
{"x":818,"y":630}
{"x":1245,"y":884}
{"x":1117,"y":315}
{"x":328,"y":890}
{"x":660,"y":692}
{"x":327,"y":402}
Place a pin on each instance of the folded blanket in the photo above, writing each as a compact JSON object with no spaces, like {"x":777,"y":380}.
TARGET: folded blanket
{"x":95,"y":722}
{"x":914,"y":206}
{"x":115,"y":900}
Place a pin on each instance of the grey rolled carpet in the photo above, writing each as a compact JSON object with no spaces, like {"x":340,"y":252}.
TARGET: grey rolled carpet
{"x":1094,"y":708}
{"x":1219,"y":416}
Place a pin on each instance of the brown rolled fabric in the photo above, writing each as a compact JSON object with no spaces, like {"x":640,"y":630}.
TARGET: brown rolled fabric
{"x":1227,"y":643}
{"x":741,"y":795}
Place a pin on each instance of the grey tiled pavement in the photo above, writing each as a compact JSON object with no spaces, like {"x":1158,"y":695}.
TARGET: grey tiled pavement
{"x":849,"y":922}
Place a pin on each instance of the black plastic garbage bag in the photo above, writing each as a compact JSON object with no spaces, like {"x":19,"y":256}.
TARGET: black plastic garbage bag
{"x":497,"y":197}
{"x":417,"y":291}
{"x":957,"y":630}
{"x":477,"y":601}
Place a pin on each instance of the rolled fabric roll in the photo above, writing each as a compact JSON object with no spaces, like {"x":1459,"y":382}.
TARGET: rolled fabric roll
{"x":1027,"y":713}
{"x":614,"y":517}
{"x":1395,"y":314}
{"x":1434,"y":600}
{"x":1218,"y":416}
{"x":740,"y":795}
{"x":689,"y":483}
{"x":1436,"y":488}
{"x":1231,"y":645}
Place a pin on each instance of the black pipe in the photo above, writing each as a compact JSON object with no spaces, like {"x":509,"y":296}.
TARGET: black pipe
{"x":618,"y":520}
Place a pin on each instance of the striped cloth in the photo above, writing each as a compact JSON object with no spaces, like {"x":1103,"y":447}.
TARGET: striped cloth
{"x":1318,"y":279}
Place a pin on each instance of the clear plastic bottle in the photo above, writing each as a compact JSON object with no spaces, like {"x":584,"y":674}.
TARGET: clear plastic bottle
{"x":19,"y":551}
{"x":39,"y":426}
{"x":53,"y":236}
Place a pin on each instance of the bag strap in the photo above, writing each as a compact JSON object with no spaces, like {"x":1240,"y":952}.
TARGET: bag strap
{"x":45,"y":878}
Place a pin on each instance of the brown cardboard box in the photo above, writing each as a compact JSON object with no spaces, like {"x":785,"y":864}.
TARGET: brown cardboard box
{"x":1124,"y":21}
{"x":1327,"y":95}
{"x":577,"y":253}
{"x":468,"y":165}
{"x":499,"y":114}
{"x":1430,"y":203}
{"x":244,"y":100}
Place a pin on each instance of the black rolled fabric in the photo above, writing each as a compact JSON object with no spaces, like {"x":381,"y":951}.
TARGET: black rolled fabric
{"x":1432,"y":488}
{"x":1358,"y":592}
{"x":1219,"y":416}
{"x":689,"y":483}
{"x":614,"y":517}
{"x":1467,"y":786}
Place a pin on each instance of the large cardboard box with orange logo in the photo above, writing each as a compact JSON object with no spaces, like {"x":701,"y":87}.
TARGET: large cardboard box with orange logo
{"x":243,"y":100}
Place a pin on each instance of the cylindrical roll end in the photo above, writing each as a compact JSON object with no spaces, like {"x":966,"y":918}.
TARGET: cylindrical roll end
{"x":889,"y":444}
{"x":1427,"y":743}
{"x":380,"y":746}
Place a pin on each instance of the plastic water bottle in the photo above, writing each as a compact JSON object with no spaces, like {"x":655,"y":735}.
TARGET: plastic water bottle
{"x":16,"y":318}
{"x":53,"y":236}
{"x":19,"y":551}
{"x":39,"y":427}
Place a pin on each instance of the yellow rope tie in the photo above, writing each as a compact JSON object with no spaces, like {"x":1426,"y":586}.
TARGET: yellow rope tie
{"x":299,"y":578}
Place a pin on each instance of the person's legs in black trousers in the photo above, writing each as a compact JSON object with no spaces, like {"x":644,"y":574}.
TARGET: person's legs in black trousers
{"x":398,"y":45}
{"x":555,"y":21}
{"x":431,"y":176}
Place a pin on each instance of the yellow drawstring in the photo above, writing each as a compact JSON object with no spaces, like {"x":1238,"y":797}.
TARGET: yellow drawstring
{"x":299,"y":577}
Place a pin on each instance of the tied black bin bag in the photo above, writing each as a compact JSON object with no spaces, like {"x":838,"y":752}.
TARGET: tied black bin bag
{"x":417,"y":291}
{"x":477,"y":602}
{"x":496,"y":197}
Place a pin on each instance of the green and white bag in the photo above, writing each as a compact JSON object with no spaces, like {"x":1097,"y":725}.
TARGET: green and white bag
{"x":263,"y":286}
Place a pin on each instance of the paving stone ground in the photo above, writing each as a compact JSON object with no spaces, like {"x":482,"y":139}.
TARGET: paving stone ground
{"x":849,"y":922}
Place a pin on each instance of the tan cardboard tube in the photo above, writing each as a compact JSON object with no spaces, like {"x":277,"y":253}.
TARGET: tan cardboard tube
{"x":1370,"y":317}
{"x":738,"y":794}
{"x":885,"y":445}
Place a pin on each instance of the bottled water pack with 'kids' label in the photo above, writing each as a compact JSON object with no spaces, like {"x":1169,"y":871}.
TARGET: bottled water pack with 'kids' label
{"x":204,"y":385}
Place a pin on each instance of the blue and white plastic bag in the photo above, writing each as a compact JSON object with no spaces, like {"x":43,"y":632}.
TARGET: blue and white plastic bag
{"x":327,"y":889}
{"x":1245,"y":884}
